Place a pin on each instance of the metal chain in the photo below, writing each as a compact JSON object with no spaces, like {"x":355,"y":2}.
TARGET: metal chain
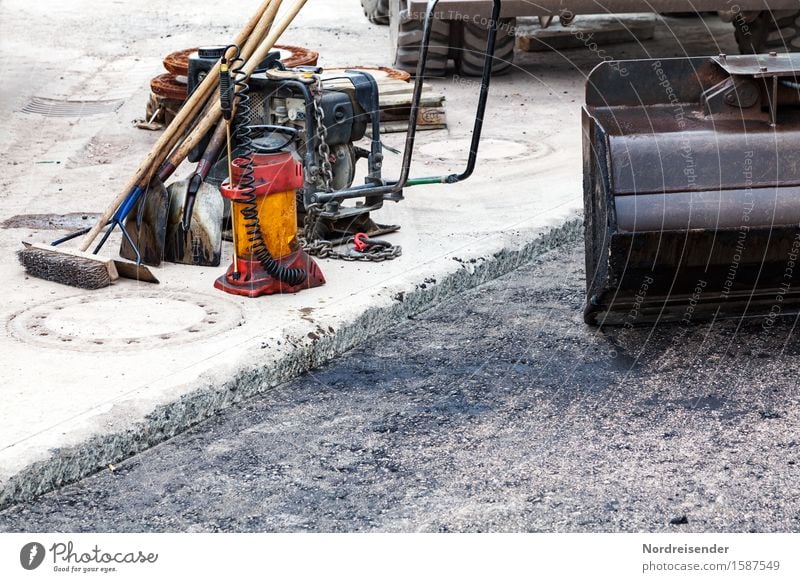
{"x":311,"y":244}
{"x":323,"y":151}
{"x":323,"y":249}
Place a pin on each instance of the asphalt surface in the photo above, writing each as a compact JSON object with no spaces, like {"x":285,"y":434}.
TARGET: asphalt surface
{"x":499,"y":411}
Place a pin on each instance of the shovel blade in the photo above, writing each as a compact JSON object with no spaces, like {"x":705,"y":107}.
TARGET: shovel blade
{"x":147,"y":225}
{"x":202,"y":244}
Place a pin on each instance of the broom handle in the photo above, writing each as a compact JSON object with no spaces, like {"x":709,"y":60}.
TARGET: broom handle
{"x":255,"y":50}
{"x":266,"y":45}
{"x":177,"y":155}
{"x":262,"y":28}
{"x":213,"y":115}
{"x":176,"y":128}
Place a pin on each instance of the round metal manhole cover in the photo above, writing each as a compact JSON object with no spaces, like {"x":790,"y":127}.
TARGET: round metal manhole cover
{"x":490,"y":150}
{"x":125,"y":321}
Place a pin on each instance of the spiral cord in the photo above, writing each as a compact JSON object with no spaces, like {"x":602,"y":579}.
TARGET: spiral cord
{"x":250,"y":205}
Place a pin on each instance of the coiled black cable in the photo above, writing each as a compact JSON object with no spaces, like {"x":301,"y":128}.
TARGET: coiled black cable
{"x":250,"y":205}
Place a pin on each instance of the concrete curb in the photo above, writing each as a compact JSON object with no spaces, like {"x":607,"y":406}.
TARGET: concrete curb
{"x":71,"y":464}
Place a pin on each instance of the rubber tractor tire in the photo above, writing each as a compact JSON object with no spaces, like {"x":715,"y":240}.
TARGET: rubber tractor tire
{"x":769,"y":32}
{"x":377,"y":11}
{"x":406,"y":36}
{"x":470,"y":53}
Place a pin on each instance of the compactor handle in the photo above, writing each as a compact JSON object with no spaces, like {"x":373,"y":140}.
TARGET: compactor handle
{"x":393,"y":189}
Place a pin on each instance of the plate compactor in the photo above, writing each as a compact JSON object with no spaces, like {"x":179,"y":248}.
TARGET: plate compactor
{"x":320,"y":117}
{"x":692,"y":189}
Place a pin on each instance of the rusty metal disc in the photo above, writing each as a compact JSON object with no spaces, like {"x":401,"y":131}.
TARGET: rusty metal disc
{"x":177,"y":62}
{"x":167,"y":86}
{"x":298,"y":56}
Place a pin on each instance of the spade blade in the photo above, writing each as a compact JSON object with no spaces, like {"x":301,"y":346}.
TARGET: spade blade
{"x":147,"y":225}
{"x":202,"y":244}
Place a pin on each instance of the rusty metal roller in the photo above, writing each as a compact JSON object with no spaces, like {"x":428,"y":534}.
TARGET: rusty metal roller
{"x":692,"y":188}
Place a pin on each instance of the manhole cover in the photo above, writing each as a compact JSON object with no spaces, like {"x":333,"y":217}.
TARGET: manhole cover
{"x":490,"y":150}
{"x":65,"y":108}
{"x":124,"y":321}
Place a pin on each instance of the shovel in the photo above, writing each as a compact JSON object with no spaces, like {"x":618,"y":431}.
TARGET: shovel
{"x":147,"y":220}
{"x":194,"y":224}
{"x":147,"y":225}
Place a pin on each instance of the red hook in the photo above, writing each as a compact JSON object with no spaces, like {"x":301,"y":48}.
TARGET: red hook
{"x":361,"y":242}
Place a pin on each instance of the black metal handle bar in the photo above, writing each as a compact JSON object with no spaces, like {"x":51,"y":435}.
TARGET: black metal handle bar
{"x":394,"y":188}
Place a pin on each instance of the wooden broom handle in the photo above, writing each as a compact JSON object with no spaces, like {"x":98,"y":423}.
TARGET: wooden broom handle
{"x":213,"y":115}
{"x":179,"y":154}
{"x":178,"y":125}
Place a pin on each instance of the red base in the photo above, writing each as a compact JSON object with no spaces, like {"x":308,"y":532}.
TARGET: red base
{"x":254,"y":281}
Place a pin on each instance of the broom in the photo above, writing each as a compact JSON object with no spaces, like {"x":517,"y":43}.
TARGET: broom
{"x":85,"y":270}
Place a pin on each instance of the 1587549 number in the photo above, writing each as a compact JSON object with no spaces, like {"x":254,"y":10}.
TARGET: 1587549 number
{"x":756,"y":565}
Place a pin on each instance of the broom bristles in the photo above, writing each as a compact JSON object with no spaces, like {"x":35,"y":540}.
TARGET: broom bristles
{"x":80,"y":270}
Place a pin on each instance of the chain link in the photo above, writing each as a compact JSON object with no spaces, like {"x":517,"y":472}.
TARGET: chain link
{"x":317,"y":247}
